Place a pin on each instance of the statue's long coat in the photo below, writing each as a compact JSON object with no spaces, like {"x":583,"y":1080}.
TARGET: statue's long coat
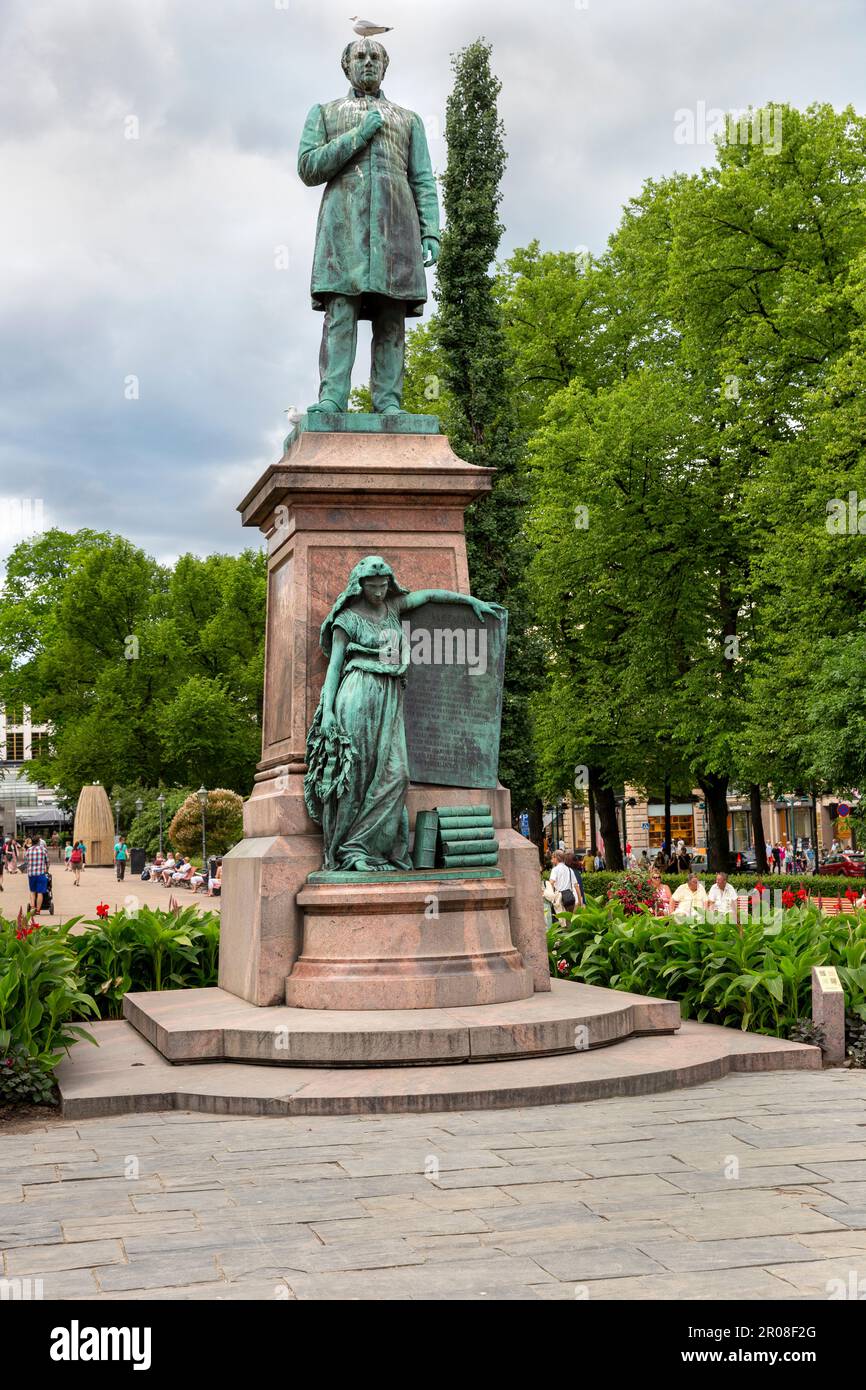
{"x":379,"y":202}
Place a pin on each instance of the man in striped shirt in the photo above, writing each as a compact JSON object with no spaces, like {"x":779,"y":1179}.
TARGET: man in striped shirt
{"x":36,"y":859}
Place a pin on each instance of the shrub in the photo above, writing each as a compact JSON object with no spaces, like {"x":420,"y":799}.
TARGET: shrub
{"x":41,"y":994}
{"x":752,"y":974}
{"x":224,"y":824}
{"x":634,"y":890}
{"x":805,"y":1030}
{"x":23,"y":1079}
{"x":150,"y":949}
{"x":815,"y":884}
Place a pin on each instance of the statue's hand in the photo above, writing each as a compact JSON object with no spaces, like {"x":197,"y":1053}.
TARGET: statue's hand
{"x":370,"y":124}
{"x":483,"y":610}
{"x":329,"y":724}
{"x":430,"y":247}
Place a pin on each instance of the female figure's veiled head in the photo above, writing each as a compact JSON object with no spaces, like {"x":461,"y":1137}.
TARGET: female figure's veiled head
{"x":371,"y":567}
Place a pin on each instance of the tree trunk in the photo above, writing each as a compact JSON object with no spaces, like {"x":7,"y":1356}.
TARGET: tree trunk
{"x":668,"y":845}
{"x":758,"y":828}
{"x":715,"y":790}
{"x":607,"y":818}
{"x":536,"y":827}
{"x":593,"y":837}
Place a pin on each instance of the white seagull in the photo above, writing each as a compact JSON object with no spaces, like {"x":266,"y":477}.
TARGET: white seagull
{"x":366,"y":27}
{"x":294,"y":415}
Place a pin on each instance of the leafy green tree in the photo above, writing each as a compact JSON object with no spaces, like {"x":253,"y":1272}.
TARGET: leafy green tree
{"x":723,"y":302}
{"x":148,"y":675}
{"x":469,"y":339}
{"x":144,"y":828}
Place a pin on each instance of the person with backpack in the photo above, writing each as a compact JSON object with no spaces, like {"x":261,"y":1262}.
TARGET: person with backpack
{"x":562,"y":887}
{"x":76,"y":863}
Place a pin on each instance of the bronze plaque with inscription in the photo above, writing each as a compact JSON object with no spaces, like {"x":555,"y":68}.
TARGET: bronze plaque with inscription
{"x":453,"y":703}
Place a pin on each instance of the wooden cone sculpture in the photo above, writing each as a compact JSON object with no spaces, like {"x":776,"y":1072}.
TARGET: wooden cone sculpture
{"x":94,"y":824}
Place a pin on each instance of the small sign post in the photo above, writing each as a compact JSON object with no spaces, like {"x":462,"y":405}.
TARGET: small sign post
{"x":828,"y":1010}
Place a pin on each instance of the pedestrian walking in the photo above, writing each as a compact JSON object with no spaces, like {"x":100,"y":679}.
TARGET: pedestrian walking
{"x":76,"y":863}
{"x":574,"y":864}
{"x":121,"y":855}
{"x":36,"y":863}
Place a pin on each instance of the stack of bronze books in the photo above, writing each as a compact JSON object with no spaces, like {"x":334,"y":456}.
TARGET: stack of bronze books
{"x":455,"y":837}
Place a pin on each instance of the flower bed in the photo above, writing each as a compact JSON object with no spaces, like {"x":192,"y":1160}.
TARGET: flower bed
{"x":151,"y":949}
{"x":42,"y":994}
{"x":817,"y":885}
{"x":52,"y":982}
{"x":755,"y":974}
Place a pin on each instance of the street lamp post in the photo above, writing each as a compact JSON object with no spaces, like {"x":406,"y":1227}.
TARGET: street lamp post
{"x":202,"y":796}
{"x":160,"y":801}
{"x":139,"y":805}
{"x":117,"y":817}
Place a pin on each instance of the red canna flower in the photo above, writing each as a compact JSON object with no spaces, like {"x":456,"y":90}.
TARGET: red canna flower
{"x":802,"y":894}
{"x":562,"y":966}
{"x":788,"y":898}
{"x":102,"y":909}
{"x":759,"y":888}
{"x":851,"y":894}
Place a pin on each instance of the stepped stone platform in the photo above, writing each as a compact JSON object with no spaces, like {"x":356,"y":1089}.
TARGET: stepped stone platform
{"x":577,"y":1043}
{"x":196,"y":1025}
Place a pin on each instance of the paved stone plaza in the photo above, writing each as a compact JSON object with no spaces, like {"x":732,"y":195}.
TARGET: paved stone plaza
{"x":753,"y":1187}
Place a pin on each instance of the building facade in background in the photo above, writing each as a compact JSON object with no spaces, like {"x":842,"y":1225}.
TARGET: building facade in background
{"x":25,"y":806}
{"x":786,"y":820}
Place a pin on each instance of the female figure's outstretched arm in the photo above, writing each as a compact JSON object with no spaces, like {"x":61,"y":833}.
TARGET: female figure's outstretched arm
{"x":406,"y":602}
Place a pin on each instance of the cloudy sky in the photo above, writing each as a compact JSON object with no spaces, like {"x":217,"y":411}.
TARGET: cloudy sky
{"x":156,"y":241}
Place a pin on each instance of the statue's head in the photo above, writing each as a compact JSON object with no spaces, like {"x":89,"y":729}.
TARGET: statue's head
{"x":372,"y":578}
{"x":365,"y":63}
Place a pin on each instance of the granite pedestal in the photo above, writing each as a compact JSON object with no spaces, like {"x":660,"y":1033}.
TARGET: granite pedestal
{"x":336,"y":496}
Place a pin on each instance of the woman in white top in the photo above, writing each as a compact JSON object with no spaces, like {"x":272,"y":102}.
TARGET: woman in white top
{"x":562,"y":880}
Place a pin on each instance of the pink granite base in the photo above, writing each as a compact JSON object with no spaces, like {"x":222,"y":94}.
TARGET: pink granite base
{"x":411,"y":945}
{"x":260,"y":922}
{"x":518,"y":860}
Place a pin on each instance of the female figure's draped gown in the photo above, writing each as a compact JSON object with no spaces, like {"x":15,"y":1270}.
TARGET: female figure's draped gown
{"x":356,"y":783}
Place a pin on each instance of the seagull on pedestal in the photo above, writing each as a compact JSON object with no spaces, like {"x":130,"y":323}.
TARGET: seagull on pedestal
{"x":366,"y":27}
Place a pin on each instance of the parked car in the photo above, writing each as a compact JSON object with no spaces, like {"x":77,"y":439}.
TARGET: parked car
{"x":849,"y":865}
{"x":749,"y":861}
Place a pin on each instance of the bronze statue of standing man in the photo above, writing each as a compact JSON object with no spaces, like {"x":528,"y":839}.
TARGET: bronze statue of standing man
{"x":378,"y":227}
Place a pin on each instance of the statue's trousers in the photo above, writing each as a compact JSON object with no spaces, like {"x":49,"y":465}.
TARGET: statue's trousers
{"x":339,"y":341}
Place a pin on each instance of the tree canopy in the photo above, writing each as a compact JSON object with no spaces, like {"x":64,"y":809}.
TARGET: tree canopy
{"x":147,"y":673}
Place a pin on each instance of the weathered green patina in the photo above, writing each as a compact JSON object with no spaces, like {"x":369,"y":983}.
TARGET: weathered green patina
{"x":361,"y":422}
{"x":378,"y":227}
{"x":357,"y":761}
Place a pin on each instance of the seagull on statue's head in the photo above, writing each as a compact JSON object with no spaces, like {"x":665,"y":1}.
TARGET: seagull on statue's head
{"x":366,"y":27}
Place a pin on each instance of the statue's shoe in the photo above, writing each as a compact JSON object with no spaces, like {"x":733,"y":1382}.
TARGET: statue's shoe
{"x":325,"y":407}
{"x":392,"y":410}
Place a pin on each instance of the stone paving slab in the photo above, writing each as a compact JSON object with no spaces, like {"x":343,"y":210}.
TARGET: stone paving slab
{"x":524,"y":1204}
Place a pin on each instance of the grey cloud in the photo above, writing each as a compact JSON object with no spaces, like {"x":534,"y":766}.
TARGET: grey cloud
{"x":155,"y":256}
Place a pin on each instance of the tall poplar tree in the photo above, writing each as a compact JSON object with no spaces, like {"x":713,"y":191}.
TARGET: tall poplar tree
{"x":482,"y":415}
